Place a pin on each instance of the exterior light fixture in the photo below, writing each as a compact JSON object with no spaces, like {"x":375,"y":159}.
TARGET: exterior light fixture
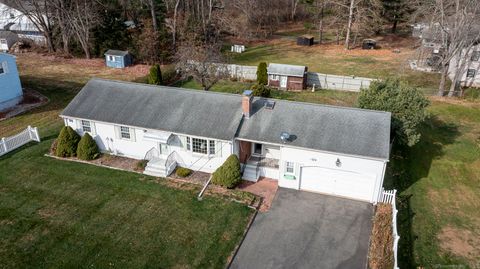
{"x":338,"y":163}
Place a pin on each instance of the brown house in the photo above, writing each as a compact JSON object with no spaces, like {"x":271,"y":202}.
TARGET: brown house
{"x":289,"y":77}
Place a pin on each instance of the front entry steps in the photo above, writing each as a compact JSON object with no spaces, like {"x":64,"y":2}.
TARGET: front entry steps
{"x":157,"y":167}
{"x":250,"y":172}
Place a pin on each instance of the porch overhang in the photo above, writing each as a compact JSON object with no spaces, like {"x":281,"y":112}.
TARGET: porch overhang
{"x":157,"y":136}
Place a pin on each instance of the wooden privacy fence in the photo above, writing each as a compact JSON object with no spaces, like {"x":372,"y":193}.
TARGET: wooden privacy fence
{"x":389,"y":197}
{"x":10,"y":143}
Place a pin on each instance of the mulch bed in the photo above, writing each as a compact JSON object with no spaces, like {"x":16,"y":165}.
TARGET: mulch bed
{"x":381,"y":241}
{"x":31,"y":99}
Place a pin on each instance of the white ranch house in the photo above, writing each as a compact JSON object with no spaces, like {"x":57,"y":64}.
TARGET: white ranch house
{"x":326,"y":149}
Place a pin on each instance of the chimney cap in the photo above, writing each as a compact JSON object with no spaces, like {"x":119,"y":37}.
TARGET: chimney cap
{"x":247,"y":92}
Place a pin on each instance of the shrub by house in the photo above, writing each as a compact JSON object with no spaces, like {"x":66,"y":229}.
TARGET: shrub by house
{"x":67,"y":142}
{"x":155,"y":75}
{"x":87,"y":148}
{"x":261,"y":90}
{"x":262,"y":75}
{"x":183,"y":172}
{"x":228,"y":175}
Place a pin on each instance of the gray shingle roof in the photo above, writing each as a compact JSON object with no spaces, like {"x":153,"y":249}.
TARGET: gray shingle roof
{"x":116,"y":52}
{"x":176,"y":110}
{"x":327,"y":128}
{"x":321,"y":127}
{"x":286,"y":69}
{"x":8,"y":34}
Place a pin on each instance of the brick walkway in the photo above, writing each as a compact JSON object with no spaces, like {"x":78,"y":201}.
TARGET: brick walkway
{"x":265,"y":188}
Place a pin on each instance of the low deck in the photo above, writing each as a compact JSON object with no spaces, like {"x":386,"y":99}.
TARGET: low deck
{"x":264,"y":162}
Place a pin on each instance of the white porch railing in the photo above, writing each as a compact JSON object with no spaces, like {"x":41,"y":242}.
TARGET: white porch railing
{"x":389,"y":197}
{"x":10,"y":143}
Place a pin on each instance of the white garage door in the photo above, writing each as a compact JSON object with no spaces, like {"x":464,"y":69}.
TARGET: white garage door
{"x":337,"y":182}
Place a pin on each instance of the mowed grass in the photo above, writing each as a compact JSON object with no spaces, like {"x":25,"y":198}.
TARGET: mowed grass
{"x":59,"y":79}
{"x":339,"y":98}
{"x":333,"y":59}
{"x":58,"y":214}
{"x":439,"y":184}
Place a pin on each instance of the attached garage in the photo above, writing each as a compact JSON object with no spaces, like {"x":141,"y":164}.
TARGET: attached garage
{"x":337,"y":182}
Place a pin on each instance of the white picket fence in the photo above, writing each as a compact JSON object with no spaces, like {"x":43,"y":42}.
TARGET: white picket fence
{"x":389,"y":197}
{"x":10,"y":143}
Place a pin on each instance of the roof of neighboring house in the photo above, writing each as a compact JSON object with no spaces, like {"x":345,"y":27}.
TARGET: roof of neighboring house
{"x":343,"y":130}
{"x":286,"y":69}
{"x":163,"y":108}
{"x":350,"y":131}
{"x":117,"y":52}
{"x":8,"y":34}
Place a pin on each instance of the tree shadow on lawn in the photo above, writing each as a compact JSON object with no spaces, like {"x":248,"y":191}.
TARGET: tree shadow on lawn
{"x":407,"y":166}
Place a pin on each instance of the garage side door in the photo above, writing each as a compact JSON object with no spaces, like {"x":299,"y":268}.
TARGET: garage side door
{"x":337,"y":182}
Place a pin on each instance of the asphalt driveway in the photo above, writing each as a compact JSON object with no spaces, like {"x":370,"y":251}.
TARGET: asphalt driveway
{"x":308,"y":230}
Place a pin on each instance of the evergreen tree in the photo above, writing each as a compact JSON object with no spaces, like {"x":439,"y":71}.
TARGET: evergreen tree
{"x":262,"y":76}
{"x":155,"y":76}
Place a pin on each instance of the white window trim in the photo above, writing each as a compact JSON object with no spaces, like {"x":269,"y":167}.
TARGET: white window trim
{"x":286,"y":167}
{"x":131,"y":130}
{"x":189,"y":146}
{"x":83,"y":126}
{"x":253,"y":150}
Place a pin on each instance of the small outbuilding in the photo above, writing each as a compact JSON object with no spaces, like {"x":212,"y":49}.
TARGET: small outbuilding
{"x":118,"y":58}
{"x":7,"y":39}
{"x":286,"y":76}
{"x":305,"y":40}
{"x":369,"y":44}
{"x":238,"y":48}
{"x":10,"y":87}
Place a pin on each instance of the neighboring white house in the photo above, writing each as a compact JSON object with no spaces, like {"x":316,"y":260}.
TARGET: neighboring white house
{"x":470,"y":74}
{"x":14,"y":20}
{"x":10,"y":87}
{"x":327,"y":149}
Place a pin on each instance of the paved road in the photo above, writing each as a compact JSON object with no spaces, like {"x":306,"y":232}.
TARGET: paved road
{"x":308,"y":230}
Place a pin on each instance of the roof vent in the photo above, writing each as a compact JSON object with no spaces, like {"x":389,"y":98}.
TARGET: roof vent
{"x":284,"y":136}
{"x":269,"y":104}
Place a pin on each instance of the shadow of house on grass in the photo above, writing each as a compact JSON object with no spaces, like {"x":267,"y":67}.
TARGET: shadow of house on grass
{"x":407,"y":166}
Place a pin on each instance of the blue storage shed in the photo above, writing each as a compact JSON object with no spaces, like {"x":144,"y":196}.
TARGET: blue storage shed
{"x":118,"y":58}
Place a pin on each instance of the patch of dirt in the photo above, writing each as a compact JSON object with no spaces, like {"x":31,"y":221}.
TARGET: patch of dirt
{"x":31,"y":99}
{"x":381,"y":241}
{"x":460,"y":242}
{"x":46,"y":213}
{"x":117,"y":162}
{"x":196,"y":177}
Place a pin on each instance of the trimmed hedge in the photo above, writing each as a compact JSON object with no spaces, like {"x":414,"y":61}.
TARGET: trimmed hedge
{"x":228,"y":175}
{"x":183,"y":172}
{"x":87,"y":148}
{"x":67,"y":142}
{"x":261,"y":90}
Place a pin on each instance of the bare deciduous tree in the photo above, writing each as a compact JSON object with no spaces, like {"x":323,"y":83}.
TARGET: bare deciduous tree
{"x":201,"y":61}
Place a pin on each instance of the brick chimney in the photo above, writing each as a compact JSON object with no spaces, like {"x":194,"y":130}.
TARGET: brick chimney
{"x":247,"y":103}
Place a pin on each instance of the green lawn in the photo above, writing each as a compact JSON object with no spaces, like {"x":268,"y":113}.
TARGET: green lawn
{"x":438,"y":181}
{"x":332,"y":59}
{"x":58,"y":214}
{"x":439,"y":184}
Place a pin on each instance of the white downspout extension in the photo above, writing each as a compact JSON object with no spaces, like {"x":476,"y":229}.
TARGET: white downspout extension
{"x":379,"y":194}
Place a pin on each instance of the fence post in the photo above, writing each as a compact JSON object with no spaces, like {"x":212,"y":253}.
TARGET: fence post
{"x":4,"y":142}
{"x":37,"y":135}
{"x":29,"y":128}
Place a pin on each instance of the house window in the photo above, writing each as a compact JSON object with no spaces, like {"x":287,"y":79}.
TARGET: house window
{"x":125,"y":132}
{"x":471,"y":73}
{"x":211,"y":147}
{"x":86,"y":127}
{"x":199,"y":145}
{"x":275,"y":77}
{"x":189,"y":143}
{"x":475,"y":56}
{"x":289,"y":167}
{"x":3,"y":41}
{"x":1,"y":69}
{"x":110,"y":58}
